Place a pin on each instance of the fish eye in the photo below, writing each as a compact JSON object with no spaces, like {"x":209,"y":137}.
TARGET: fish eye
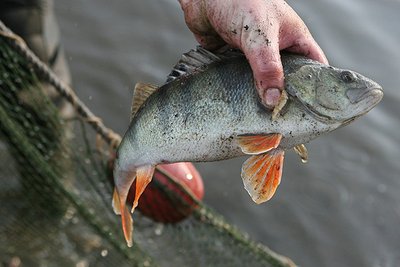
{"x":347,"y":76}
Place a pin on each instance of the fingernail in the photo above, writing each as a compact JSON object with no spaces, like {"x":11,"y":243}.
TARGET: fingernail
{"x":271,"y":97}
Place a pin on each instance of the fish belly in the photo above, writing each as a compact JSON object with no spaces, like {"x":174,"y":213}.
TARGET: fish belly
{"x":193,"y":150}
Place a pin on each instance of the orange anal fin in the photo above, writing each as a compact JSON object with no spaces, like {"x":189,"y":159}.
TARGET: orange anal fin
{"x":127,"y":225}
{"x":144,"y":175}
{"x":258,"y":144}
{"x":116,"y":203}
{"x":261,"y":175}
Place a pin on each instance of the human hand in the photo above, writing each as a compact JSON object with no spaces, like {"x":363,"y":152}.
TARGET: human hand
{"x":260,"y":29}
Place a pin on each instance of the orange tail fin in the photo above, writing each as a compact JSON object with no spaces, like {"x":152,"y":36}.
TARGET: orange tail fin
{"x":123,"y":181}
{"x":127,"y":225}
{"x":143,"y":175}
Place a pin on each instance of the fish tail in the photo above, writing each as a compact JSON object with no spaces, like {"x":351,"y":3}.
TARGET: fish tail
{"x":127,"y":224}
{"x":123,"y":181}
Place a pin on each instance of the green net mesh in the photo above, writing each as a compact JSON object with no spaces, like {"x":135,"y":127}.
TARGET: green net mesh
{"x":55,"y":195}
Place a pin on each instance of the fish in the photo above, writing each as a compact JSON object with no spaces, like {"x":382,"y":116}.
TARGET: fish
{"x":209,"y":110}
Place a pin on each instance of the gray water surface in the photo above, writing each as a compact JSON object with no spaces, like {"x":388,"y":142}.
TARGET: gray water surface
{"x":340,"y":209}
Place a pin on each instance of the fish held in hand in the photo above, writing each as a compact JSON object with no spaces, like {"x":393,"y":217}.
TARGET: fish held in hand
{"x":209,"y":110}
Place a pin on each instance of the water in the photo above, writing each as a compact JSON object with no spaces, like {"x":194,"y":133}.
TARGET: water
{"x":340,"y":209}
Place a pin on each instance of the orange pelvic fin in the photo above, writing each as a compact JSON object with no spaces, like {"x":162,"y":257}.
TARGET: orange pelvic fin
{"x":261,"y":175}
{"x":144,"y":175}
{"x":258,"y":144}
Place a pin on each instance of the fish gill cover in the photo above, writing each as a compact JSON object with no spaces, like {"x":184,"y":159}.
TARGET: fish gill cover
{"x":55,"y":194}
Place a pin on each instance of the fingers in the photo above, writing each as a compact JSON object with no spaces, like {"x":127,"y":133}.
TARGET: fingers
{"x":267,"y":70}
{"x":307,"y":46}
{"x":246,"y":29}
{"x":316,"y":53}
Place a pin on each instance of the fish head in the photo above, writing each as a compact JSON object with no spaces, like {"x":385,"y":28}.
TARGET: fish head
{"x":332,"y":94}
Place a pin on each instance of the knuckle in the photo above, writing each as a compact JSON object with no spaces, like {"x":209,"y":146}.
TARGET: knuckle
{"x":271,"y":70}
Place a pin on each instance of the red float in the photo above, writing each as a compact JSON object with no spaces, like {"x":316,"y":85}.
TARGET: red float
{"x":165,"y":199}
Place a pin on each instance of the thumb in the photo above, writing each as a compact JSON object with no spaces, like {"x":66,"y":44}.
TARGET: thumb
{"x":265,"y":61}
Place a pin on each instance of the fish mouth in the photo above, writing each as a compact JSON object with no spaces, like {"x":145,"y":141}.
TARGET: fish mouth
{"x":373,"y":95}
{"x":369,"y":97}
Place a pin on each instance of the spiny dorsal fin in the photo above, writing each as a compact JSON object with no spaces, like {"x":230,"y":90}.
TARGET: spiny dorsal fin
{"x":140,"y":93}
{"x":197,"y":59}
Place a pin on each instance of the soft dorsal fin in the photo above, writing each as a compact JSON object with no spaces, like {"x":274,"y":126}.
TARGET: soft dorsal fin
{"x":199,"y":58}
{"x":140,"y":93}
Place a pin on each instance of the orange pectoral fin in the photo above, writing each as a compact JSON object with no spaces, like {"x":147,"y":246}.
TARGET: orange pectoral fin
{"x":261,"y":175}
{"x":257,"y":144}
{"x":144,"y":175}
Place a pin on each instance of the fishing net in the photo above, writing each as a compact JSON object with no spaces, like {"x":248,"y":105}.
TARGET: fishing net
{"x":56,"y":189}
